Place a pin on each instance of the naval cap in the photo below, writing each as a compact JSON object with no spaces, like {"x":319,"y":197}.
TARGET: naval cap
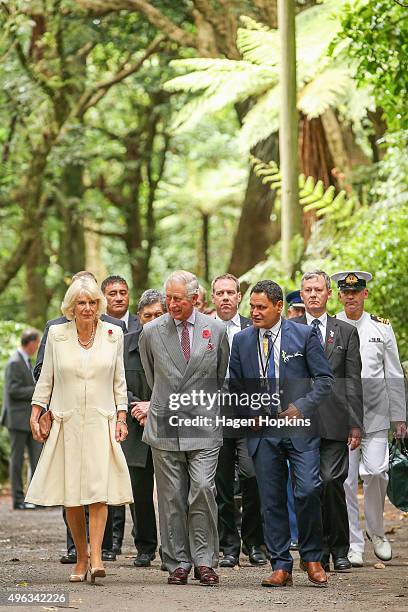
{"x":352,"y":279}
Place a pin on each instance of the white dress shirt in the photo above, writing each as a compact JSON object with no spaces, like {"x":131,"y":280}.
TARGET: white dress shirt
{"x":233,"y":326}
{"x":125,"y":319}
{"x":322,"y":326}
{"x":276,"y":339}
{"x":190,"y":327}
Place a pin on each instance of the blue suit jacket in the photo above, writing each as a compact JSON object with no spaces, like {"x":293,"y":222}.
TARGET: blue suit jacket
{"x":305,"y":376}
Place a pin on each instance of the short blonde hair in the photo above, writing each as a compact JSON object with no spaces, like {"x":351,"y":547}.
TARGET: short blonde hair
{"x":82,"y":286}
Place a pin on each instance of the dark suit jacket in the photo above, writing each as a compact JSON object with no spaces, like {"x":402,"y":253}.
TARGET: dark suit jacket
{"x":134,"y":323}
{"x":18,"y":391}
{"x":135,"y":450}
{"x":245,"y":322}
{"x":60,"y":321}
{"x":343,"y":409}
{"x":305,"y":377}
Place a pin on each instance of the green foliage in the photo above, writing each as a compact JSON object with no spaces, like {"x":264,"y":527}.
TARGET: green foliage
{"x":376,"y":40}
{"x":10,"y":333}
{"x":338,"y":208}
{"x":324,"y":81}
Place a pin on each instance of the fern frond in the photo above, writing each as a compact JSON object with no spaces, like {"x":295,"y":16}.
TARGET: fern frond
{"x":261,"y":121}
{"x":329,"y":89}
{"x":259,"y":47}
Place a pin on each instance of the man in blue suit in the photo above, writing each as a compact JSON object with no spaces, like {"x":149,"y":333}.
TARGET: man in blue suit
{"x":287,"y":361}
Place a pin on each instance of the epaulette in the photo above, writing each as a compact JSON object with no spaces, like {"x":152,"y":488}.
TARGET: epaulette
{"x":380,"y":320}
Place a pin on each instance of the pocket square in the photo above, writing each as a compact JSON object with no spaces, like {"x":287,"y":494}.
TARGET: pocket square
{"x":210,"y":346}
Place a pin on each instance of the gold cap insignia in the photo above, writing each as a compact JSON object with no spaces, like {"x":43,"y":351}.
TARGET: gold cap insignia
{"x":351,"y":279}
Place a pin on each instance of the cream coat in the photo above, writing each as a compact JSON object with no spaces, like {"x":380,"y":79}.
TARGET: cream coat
{"x":81,"y":462}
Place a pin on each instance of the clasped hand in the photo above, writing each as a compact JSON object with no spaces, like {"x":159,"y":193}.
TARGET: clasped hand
{"x":139,"y":411}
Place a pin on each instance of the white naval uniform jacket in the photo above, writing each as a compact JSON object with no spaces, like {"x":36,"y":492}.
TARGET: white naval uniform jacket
{"x":381,"y":374}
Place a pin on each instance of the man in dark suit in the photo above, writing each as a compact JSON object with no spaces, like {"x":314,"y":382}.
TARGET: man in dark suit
{"x":226,"y":297}
{"x":116,"y":291}
{"x":340,"y":416}
{"x":285,"y":362}
{"x":18,"y":391}
{"x":138,"y":455}
{"x":107,"y":553}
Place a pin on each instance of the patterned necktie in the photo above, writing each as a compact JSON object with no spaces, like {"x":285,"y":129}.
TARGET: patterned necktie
{"x":185,"y":341}
{"x":271,"y":363}
{"x":316,"y":324}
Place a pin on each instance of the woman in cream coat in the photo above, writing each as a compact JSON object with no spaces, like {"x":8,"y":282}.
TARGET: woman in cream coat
{"x":83,"y":382}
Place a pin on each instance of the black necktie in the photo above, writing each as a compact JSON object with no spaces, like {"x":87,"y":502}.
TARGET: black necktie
{"x":316,"y":324}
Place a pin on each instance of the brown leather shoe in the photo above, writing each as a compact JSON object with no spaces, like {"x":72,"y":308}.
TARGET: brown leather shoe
{"x":179,"y":576}
{"x":316,"y":573}
{"x":278,"y":578}
{"x":206,"y":575}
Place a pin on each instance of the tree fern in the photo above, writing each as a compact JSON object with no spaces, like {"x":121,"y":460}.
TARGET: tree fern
{"x":324,"y":82}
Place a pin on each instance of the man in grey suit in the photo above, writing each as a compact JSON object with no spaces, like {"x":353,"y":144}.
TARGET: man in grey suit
{"x":184,"y":353}
{"x":18,"y":390}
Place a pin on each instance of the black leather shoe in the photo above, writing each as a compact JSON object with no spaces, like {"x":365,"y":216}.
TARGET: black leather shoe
{"x":24,"y":506}
{"x":117,"y":548}
{"x":257,"y":556}
{"x":229,"y":561}
{"x":108,"y":555}
{"x":70,"y":557}
{"x":341,"y":563}
{"x":143,"y":560}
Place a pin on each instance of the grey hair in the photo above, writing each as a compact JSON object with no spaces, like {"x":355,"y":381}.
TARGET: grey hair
{"x":149,"y":297}
{"x":186,"y":278}
{"x":315,"y":274}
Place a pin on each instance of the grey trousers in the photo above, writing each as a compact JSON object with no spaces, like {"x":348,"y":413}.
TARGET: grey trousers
{"x":186,"y":492}
{"x":18,"y":441}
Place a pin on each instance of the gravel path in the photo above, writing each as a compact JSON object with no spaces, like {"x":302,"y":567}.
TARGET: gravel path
{"x":31,"y":542}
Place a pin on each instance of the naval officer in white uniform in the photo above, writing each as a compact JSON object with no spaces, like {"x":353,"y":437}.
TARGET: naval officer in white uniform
{"x":384,"y":407}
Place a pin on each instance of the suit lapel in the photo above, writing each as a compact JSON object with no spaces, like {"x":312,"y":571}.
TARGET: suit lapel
{"x":253,"y":351}
{"x":284,"y":348}
{"x":27,"y":372}
{"x":331,"y":332}
{"x":171,"y":341}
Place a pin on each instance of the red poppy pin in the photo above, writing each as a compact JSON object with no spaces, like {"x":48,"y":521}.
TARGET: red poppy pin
{"x":330,"y":340}
{"x":110,"y":332}
{"x":206,"y":334}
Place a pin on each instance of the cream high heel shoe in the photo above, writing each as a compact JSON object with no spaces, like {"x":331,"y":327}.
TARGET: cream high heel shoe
{"x":79,"y":577}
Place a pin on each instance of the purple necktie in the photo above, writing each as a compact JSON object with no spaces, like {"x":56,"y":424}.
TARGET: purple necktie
{"x":185,"y":341}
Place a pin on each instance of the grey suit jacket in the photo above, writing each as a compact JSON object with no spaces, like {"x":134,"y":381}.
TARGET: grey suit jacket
{"x":18,"y":390}
{"x":60,"y":321}
{"x":168,"y":375}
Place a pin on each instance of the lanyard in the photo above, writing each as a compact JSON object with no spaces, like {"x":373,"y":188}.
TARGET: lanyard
{"x":261,"y":357}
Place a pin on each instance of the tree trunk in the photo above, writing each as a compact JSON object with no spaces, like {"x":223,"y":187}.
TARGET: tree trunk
{"x":36,"y":289}
{"x":256,"y":232}
{"x":291,"y":214}
{"x":72,"y":255}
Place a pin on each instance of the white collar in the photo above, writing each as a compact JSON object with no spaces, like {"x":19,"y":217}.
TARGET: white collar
{"x":191,"y":319}
{"x":125,"y":318}
{"x":275,"y":329}
{"x":235,"y":320}
{"x":322,"y":318}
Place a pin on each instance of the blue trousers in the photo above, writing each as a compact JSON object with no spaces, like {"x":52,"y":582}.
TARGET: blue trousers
{"x":294,"y":534}
{"x":271,"y":469}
